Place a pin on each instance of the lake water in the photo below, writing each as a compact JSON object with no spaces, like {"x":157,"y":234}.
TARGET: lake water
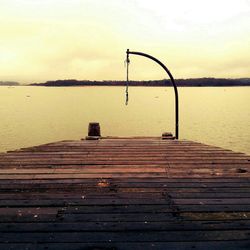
{"x":213,"y":115}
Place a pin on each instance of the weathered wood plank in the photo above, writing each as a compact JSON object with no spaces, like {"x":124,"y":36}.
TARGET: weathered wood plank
{"x":141,"y":182}
{"x":202,"y":245}
{"x":139,"y":236}
{"x":174,"y":174}
{"x":113,"y":169}
{"x":228,"y":245}
{"x":123,"y":226}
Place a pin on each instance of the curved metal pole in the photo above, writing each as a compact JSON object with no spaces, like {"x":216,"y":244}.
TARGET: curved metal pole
{"x":173,"y":83}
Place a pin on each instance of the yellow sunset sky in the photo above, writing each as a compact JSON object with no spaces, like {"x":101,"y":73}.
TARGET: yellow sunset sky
{"x":87,"y":39}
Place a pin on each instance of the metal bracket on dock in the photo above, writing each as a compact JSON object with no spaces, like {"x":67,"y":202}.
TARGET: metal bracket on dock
{"x":167,"y":136}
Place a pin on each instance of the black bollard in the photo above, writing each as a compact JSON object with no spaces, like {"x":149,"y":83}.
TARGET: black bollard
{"x":94,"y":131}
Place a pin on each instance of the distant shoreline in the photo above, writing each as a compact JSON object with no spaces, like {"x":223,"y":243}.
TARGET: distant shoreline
{"x":193,"y":82}
{"x":9,"y":83}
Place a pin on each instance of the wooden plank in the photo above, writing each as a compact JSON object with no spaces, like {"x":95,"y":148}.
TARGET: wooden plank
{"x":104,"y":187}
{"x":114,"y":169}
{"x":139,"y":236}
{"x":204,"y":245}
{"x":142,"y":182}
{"x":52,"y":162}
{"x":76,"y":203}
{"x":174,"y":174}
{"x":148,"y":208}
{"x":123,"y":226}
{"x":239,"y":167}
{"x":152,"y":152}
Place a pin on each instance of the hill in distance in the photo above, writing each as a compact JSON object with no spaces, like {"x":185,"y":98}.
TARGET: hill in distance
{"x":9,"y":83}
{"x":196,"y":82}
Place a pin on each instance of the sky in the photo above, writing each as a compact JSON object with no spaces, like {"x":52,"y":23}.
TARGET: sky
{"x":87,"y":39}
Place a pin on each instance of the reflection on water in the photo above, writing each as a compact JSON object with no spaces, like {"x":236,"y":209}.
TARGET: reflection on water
{"x":36,"y":115}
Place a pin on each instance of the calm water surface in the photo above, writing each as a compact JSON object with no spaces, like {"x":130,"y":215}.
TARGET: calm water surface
{"x":34,"y":115}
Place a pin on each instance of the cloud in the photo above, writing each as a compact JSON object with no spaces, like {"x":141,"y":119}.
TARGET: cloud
{"x":87,"y":39}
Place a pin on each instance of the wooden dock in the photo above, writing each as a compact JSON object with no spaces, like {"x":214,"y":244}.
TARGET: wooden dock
{"x":124,"y":193}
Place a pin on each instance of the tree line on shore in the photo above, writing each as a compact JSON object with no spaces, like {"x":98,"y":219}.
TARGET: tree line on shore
{"x":196,"y":82}
{"x":9,"y":83}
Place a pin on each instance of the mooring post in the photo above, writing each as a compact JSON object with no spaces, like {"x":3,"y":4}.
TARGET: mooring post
{"x":94,"y":131}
